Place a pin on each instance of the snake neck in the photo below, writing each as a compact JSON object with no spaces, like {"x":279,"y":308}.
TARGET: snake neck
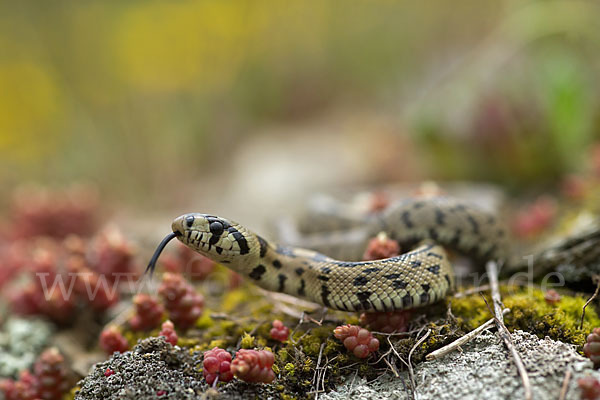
{"x":282,"y":269}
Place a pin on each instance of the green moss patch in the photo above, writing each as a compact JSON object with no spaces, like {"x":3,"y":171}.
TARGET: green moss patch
{"x":531,"y":313}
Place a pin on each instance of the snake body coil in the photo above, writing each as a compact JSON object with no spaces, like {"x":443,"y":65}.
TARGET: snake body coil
{"x":415,"y":278}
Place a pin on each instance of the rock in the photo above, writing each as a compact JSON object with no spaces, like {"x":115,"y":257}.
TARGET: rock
{"x":154,"y":368}
{"x":484,"y":369}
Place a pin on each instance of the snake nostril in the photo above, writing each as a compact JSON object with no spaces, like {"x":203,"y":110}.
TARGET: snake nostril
{"x":189,"y":221}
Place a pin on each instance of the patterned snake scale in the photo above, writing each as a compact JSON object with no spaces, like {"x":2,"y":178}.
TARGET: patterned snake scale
{"x":416,"y":278}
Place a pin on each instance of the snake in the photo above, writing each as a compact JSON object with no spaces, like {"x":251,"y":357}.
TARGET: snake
{"x":418,"y":277}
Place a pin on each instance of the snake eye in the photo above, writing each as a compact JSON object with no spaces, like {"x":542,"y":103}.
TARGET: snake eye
{"x":216,"y":228}
{"x":189,"y":221}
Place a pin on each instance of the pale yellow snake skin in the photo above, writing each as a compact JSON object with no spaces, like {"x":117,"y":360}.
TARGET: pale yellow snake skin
{"x":416,"y":278}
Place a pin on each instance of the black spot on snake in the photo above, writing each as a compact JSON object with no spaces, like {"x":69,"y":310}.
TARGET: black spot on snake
{"x":346,"y":264}
{"x":257,"y":272}
{"x":299,"y":271}
{"x":360,"y":281}
{"x":393,"y":276}
{"x":406,"y":219}
{"x":432,"y":254}
{"x":241,"y":241}
{"x":325,"y":292}
{"x":427,"y":247}
{"x":487,"y":255}
{"x":415,"y":263}
{"x":325,"y":270}
{"x":424,"y":298}
{"x":440,"y":217}
{"x":459,"y":207}
{"x":343,"y":305}
{"x":214,"y":239}
{"x":433,"y":234}
{"x":263,"y":246}
{"x":219,"y":249}
{"x":277,"y":264}
{"x":407,"y":301}
{"x":448,"y":279}
{"x":369,"y":270}
{"x":425,"y":287}
{"x":323,"y":278}
{"x":456,"y":237}
{"x":189,"y":221}
{"x":434,"y":269}
{"x":302,"y":287}
{"x":363,"y":297}
{"x":384,"y":306}
{"x":282,"y":279}
{"x":398,"y":284}
{"x":473,"y":223}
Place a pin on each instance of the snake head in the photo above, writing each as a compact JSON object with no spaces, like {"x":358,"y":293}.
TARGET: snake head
{"x":216,"y":238}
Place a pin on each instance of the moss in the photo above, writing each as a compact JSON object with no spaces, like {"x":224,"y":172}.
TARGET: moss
{"x":233,"y":299}
{"x":311,"y":341}
{"x":308,"y":365}
{"x":283,"y":355}
{"x":216,"y":343}
{"x":289,"y":369}
{"x":225,"y":327}
{"x":187,"y":342}
{"x":276,"y":369}
{"x":205,"y":321}
{"x":71,"y":394}
{"x":133,"y":337}
{"x":261,"y":342}
{"x":332,"y":346}
{"x":531,"y":313}
{"x":279,"y":388}
{"x":247,"y":341}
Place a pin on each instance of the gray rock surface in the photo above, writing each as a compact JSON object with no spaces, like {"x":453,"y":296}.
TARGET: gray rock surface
{"x":483,"y":370}
{"x":156,"y":370}
{"x":153,"y":368}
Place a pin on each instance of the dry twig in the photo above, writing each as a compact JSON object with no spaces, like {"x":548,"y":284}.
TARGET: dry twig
{"x":412,"y":382}
{"x":409,"y":364}
{"x":597,"y":279}
{"x":492,"y":271}
{"x":462,"y":340}
{"x":317,"y":373}
{"x":471,"y":291}
{"x":565,"y":385}
{"x":394,"y":370}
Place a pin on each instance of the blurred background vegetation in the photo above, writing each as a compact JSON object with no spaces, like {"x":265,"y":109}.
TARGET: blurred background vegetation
{"x":157,"y":101}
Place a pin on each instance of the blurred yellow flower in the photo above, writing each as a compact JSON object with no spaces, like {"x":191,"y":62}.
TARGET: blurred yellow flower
{"x":179,"y":45}
{"x":30,"y":107}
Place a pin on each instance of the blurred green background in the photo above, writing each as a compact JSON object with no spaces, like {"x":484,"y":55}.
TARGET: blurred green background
{"x":155,"y":101}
